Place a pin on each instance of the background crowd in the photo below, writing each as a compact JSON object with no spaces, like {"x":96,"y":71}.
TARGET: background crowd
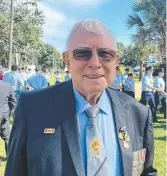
{"x":14,"y":82}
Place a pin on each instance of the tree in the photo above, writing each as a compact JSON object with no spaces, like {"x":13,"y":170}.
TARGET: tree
{"x":27,"y":32}
{"x":49,"y":57}
{"x":121,"y":49}
{"x":140,"y":53}
{"x":150,"y":19}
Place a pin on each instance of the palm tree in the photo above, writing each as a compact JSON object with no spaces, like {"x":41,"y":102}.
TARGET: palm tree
{"x":150,"y":19}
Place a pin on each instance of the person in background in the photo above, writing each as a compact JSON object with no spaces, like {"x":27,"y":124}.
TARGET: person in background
{"x":1,"y":72}
{"x":82,"y":127}
{"x":124,"y":78}
{"x":7,"y":103}
{"x":117,"y":84}
{"x":24,"y":75}
{"x":29,"y":73}
{"x":147,"y":96}
{"x":58,"y":78}
{"x":159,"y":97}
{"x":67,"y":77}
{"x":129,"y":86}
{"x":45,"y":74}
{"x":15,"y":80}
{"x":36,"y":81}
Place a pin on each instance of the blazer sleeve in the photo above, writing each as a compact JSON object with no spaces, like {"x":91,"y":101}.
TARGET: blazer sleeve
{"x":149,"y":145}
{"x":11,"y":100}
{"x":17,"y":160}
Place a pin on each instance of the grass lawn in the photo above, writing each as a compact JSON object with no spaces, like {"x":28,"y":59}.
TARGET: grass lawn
{"x":159,"y":135}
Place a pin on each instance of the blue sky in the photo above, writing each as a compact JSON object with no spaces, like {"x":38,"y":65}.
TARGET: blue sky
{"x":61,"y":15}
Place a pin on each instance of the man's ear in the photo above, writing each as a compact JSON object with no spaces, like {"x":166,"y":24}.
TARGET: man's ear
{"x":66,"y":59}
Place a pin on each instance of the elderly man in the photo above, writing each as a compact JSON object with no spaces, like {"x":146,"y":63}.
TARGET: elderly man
{"x":85,"y":128}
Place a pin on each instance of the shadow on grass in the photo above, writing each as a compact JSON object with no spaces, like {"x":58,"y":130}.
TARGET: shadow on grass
{"x":3,"y":158}
{"x":160,"y":126}
{"x":161,"y":122}
{"x":160,"y":138}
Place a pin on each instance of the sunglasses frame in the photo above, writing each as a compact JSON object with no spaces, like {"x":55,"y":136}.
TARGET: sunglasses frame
{"x":112,"y":53}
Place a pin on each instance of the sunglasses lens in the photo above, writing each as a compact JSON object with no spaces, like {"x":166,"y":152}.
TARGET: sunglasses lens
{"x":105,"y":55}
{"x":82,"y":54}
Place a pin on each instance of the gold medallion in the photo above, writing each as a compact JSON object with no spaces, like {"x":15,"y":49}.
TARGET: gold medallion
{"x":126,"y":144}
{"x":95,"y":145}
{"x":121,"y":136}
{"x":126,"y":137}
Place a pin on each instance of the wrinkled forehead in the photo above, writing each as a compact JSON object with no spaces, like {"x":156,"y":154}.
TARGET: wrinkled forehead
{"x":83,"y":38}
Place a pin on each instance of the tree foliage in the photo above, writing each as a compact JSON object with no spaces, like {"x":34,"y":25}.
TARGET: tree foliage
{"x":149,"y":16}
{"x":120,"y":49}
{"x":27,"y":33}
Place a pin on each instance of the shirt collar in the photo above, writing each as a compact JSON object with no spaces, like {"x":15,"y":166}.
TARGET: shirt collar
{"x":82,"y":104}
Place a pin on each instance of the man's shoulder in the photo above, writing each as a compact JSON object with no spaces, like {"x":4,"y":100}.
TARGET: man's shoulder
{"x":128,"y":101}
{"x":49,"y":91}
{"x":5,"y":85}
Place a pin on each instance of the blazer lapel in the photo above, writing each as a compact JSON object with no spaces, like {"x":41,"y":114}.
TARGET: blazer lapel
{"x":72,"y":136}
{"x":67,"y":110}
{"x":118,"y":107}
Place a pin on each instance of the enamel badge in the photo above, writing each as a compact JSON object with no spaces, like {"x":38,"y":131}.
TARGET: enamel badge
{"x":49,"y":130}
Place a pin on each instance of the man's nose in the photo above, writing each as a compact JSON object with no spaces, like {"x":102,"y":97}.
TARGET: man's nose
{"x":94,"y":62}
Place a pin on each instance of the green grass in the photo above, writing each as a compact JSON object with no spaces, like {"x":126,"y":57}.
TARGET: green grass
{"x":160,"y":145}
{"x":53,"y":76}
{"x":159,"y":142}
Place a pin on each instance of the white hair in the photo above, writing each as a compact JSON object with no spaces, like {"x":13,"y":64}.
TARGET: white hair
{"x":91,"y":25}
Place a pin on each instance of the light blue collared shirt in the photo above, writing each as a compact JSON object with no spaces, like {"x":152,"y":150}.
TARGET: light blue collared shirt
{"x":129,"y":84}
{"x":124,"y":78}
{"x":159,"y":82}
{"x":67,"y":77}
{"x":147,"y":79}
{"x":117,"y":81}
{"x":37,"y":81}
{"x":106,"y":123}
{"x":15,"y":80}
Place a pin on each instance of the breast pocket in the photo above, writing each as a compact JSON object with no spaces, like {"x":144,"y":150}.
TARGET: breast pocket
{"x":45,"y":150}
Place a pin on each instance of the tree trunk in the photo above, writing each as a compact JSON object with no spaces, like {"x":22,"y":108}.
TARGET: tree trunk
{"x":141,"y":70}
{"x":11,"y":34}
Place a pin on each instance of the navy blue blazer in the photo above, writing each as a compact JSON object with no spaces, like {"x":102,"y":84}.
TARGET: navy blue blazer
{"x":32,"y":152}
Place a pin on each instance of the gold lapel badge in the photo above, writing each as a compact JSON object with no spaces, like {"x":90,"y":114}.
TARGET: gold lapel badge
{"x":126,"y":137}
{"x":49,"y":130}
{"x":125,"y":144}
{"x":123,"y":135}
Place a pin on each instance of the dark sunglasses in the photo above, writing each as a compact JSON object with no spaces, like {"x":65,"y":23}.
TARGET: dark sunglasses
{"x":84,"y":54}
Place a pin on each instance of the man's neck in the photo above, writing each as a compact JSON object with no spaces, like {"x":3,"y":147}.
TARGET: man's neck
{"x":93,"y":98}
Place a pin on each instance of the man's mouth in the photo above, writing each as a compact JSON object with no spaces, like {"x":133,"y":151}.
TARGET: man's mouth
{"x":94,"y":76}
